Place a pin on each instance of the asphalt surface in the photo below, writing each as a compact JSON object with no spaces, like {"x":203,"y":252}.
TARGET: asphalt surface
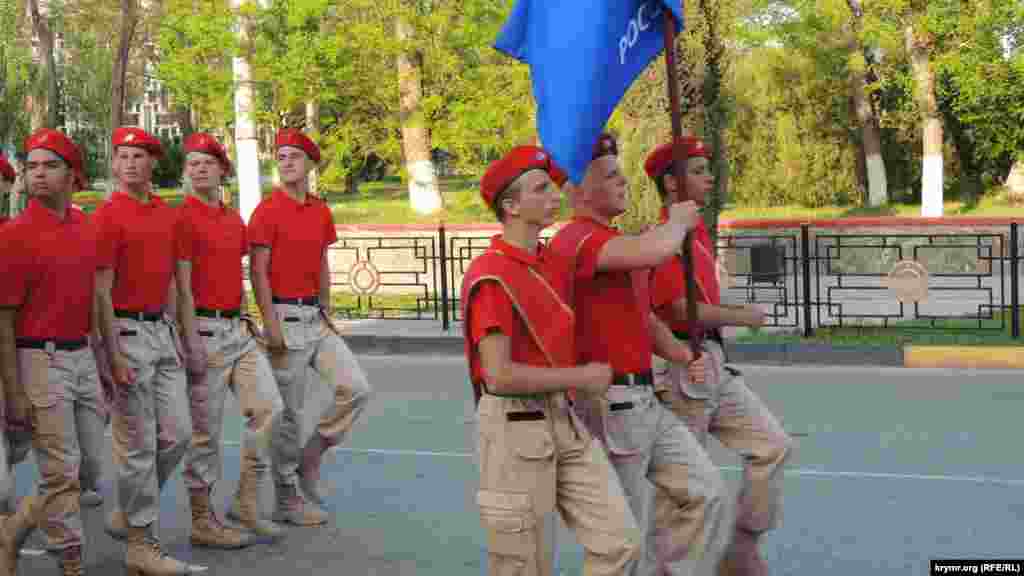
{"x":894,"y":467}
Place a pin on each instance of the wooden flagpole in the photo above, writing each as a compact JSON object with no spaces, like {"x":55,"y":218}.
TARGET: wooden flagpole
{"x":679,"y":173}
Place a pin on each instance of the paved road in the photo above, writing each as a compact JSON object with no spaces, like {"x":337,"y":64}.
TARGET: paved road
{"x":894,"y":467}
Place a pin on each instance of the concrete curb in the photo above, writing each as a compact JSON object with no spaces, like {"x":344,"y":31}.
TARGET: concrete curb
{"x":787,"y":354}
{"x":744,"y":353}
{"x":993,"y":357}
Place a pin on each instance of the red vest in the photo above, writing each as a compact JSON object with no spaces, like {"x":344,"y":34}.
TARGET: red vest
{"x":550,"y":322}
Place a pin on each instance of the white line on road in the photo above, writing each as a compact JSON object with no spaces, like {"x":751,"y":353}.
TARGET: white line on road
{"x":791,"y":472}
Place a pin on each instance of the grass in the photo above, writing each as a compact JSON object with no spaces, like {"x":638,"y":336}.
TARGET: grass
{"x":946,"y":332}
{"x":387,"y":202}
{"x":991,"y":205}
{"x":349,"y":305}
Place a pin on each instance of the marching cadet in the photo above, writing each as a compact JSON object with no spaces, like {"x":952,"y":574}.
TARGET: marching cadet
{"x":17,"y":430}
{"x":289,"y":234}
{"x":90,"y":495}
{"x":49,"y":304}
{"x":7,"y":177}
{"x":536,"y":455}
{"x":645,"y":442}
{"x":220,"y":350}
{"x":150,"y":416}
{"x":722,"y":405}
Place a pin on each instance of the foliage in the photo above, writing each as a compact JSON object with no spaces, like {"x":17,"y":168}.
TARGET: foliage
{"x":168,"y":169}
{"x":196,"y":45}
{"x":15,"y":77}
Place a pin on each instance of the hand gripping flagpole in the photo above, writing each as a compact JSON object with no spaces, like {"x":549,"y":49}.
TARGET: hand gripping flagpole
{"x":679,"y":173}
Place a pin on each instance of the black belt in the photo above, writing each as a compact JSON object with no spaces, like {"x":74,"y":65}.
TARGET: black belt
{"x":65,"y":345}
{"x":705,"y":335}
{"x":208,"y":313}
{"x":140,"y":316}
{"x":308,"y":301}
{"x":645,"y":378}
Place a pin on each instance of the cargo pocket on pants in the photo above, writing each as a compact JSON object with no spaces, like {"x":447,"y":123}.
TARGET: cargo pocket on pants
{"x":624,"y":433}
{"x":34,"y":369}
{"x":511,"y":528}
{"x":293,"y":330}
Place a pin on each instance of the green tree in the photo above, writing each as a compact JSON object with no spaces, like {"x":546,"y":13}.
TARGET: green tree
{"x":195,"y":47}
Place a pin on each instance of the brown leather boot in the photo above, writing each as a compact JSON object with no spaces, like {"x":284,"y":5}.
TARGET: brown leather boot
{"x":144,"y":557}
{"x":14,"y":529}
{"x":743,"y":557}
{"x":246,"y":506}
{"x":71,"y":561}
{"x":294,"y":509}
{"x":207,"y":530}
{"x":309,"y":467}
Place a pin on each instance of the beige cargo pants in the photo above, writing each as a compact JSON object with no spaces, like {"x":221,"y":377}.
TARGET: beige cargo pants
{"x":312,"y":343}
{"x":236,"y":363}
{"x":725,"y":408}
{"x":651,"y":449}
{"x":150,"y":421}
{"x":68,"y":422}
{"x":535,"y":457}
{"x":15,"y":443}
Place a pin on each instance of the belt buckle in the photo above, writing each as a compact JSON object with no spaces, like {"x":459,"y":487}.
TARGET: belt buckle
{"x":50,"y":347}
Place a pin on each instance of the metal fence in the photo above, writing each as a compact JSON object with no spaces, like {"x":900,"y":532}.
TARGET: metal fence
{"x":805,"y":279}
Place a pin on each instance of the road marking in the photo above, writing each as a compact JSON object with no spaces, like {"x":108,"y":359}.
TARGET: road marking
{"x":809,"y":472}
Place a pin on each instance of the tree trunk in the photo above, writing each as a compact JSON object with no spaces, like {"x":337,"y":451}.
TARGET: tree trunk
{"x":313,"y":125}
{"x":424,"y":196}
{"x":1015,"y":183}
{"x":714,"y":116}
{"x":117,"y":85}
{"x":184,"y":115}
{"x":247,"y":164}
{"x":924,"y":88}
{"x":46,"y":116}
{"x":874,"y":164}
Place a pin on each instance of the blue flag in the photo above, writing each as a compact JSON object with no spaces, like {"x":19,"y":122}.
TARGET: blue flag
{"x":583,"y":56}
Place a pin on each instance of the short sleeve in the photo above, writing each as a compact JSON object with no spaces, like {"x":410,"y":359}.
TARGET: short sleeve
{"x":184,"y":240}
{"x":490,"y":310}
{"x":244,"y":236}
{"x":590,"y":252}
{"x":109,"y":238}
{"x":262,"y":231}
{"x":668,"y":283}
{"x":17,"y":272}
{"x":330,"y":231}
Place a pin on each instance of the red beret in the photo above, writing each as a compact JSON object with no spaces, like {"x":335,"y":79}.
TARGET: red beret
{"x":518,"y":161}
{"x":137,"y":138}
{"x":295,"y":139}
{"x":660,"y":159}
{"x":605,"y":146}
{"x":6,"y":170}
{"x":207,"y":144}
{"x":61,"y":145}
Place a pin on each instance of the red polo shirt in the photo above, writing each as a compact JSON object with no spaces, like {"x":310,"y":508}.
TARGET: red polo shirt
{"x":136,"y":240}
{"x":668,"y":281}
{"x":297,"y":234}
{"x":491,"y":308}
{"x":611,"y":324}
{"x":213,"y":240}
{"x":49,"y":267}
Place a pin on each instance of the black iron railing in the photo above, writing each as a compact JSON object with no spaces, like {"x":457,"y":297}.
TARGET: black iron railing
{"x":806,"y":278}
